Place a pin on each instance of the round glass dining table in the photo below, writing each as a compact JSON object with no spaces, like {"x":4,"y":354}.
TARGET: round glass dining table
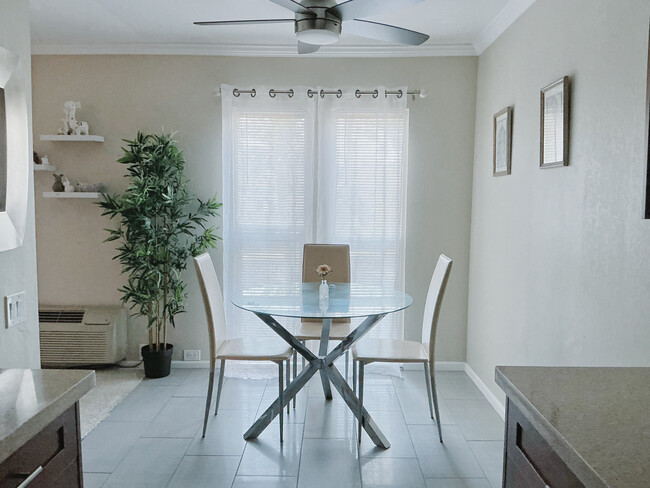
{"x":302,"y":301}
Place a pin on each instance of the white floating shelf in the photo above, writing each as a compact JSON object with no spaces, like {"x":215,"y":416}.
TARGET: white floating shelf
{"x":76,"y":194}
{"x":44,"y":167}
{"x":58,"y":138}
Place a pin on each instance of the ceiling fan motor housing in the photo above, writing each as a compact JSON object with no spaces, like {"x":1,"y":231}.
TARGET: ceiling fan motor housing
{"x":317,"y":26}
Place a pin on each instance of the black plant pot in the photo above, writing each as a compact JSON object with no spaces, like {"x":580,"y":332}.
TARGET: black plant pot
{"x":157,"y":364}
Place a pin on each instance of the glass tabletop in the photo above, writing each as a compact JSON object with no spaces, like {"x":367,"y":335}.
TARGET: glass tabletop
{"x":301,"y":301}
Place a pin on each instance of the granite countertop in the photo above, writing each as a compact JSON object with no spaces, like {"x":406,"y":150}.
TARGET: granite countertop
{"x":596,"y":419}
{"x":30,"y":399}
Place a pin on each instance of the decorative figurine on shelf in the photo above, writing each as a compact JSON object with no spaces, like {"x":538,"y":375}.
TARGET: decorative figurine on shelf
{"x":71,"y":126}
{"x":58,"y":184}
{"x":45,"y":161}
{"x":37,"y":159}
{"x":68,"y":187}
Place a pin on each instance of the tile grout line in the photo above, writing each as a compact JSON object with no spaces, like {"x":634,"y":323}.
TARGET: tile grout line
{"x":241,"y":457}
{"x":408,"y":431}
{"x":186,"y":449}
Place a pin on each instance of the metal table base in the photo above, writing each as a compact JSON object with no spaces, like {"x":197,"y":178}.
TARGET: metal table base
{"x":323,"y":363}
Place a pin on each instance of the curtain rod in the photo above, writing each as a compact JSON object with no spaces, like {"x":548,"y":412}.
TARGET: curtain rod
{"x":322,"y":93}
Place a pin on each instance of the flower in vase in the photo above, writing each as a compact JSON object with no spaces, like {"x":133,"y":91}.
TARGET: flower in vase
{"x":323,"y":270}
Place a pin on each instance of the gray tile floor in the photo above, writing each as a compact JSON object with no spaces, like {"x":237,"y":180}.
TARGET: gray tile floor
{"x":152,"y":439}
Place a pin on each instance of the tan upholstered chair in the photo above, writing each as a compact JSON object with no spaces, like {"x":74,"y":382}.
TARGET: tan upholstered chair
{"x":338,"y":257}
{"x":370,"y":350}
{"x":242,"y":349}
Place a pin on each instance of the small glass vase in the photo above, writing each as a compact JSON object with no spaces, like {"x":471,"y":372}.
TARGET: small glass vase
{"x":323,"y":290}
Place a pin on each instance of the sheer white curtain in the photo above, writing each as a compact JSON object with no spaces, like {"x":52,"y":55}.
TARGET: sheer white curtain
{"x":268,"y":155}
{"x":362,"y":175}
{"x":320,"y":169}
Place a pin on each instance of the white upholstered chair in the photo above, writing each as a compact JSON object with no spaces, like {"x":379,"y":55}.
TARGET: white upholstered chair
{"x":338,"y":257}
{"x":241,"y":349}
{"x":371,"y":350}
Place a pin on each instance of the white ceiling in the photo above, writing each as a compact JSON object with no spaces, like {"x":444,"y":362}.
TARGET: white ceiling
{"x":456,"y":27}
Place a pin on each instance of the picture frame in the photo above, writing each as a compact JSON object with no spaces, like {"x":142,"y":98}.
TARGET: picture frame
{"x":15,"y":149}
{"x":646,"y":210}
{"x":502,"y":142}
{"x":555,"y":104}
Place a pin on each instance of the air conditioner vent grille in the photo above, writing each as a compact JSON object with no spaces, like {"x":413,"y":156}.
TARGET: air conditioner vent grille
{"x":61,"y":316}
{"x":74,"y":347}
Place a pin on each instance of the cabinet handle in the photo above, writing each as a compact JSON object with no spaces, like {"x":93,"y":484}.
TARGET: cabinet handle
{"x":31,"y":477}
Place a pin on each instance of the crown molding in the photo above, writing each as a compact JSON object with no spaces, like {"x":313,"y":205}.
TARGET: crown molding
{"x":500,"y":24}
{"x":259,"y":50}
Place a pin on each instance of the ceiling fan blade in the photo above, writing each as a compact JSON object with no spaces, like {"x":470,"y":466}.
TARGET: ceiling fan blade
{"x":304,"y":48}
{"x":384,"y":32}
{"x":293,"y":5}
{"x":354,"y":9}
{"x":243,"y":22}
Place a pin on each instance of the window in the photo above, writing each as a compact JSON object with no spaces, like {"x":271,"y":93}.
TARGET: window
{"x":311,"y":170}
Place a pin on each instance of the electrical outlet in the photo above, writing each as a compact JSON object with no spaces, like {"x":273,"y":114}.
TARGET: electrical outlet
{"x":191,"y":355}
{"x":15,"y":310}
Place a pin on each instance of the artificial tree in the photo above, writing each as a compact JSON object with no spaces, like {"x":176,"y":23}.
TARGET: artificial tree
{"x":161,"y":225}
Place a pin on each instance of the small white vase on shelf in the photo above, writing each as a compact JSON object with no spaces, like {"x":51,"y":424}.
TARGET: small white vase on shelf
{"x":323,"y":290}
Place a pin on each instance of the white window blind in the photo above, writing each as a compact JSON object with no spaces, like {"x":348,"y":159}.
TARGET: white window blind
{"x":291,"y":162}
{"x":368,"y":155}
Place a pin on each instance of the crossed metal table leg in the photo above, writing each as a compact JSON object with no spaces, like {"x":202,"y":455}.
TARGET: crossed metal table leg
{"x":323,"y":363}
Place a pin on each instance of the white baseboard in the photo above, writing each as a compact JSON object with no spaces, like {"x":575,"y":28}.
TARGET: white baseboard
{"x":440,"y":366}
{"x":487,"y":393}
{"x":191,"y":364}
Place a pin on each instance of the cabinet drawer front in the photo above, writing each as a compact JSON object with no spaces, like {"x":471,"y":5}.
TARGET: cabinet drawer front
{"x":514,"y":478}
{"x":533,"y":456}
{"x":53,"y":449}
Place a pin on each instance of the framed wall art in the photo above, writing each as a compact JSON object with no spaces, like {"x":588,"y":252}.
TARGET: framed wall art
{"x":15,"y":151}
{"x":502,"y":143}
{"x":554,"y":124}
{"x":646,"y":213}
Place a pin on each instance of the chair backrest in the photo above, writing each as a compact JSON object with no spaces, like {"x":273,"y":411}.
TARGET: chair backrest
{"x":213,"y":302}
{"x":336,"y":255}
{"x":434,"y":302}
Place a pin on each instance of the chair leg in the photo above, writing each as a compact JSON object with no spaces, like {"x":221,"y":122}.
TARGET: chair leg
{"x":304,"y":343}
{"x":435,"y":399}
{"x":208,"y":400}
{"x":281,"y":386}
{"x":288,"y":381}
{"x":354,"y":376}
{"x":427,"y":378}
{"x":295,"y":373}
{"x":347,"y":365}
{"x":222,"y":370}
{"x":361,"y":364}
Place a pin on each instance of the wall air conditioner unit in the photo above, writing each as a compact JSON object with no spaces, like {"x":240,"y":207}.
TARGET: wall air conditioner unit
{"x":82,"y":336}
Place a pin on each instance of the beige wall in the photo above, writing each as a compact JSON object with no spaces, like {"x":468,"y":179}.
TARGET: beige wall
{"x":19,"y":345}
{"x":123,"y":94}
{"x":560,"y":260}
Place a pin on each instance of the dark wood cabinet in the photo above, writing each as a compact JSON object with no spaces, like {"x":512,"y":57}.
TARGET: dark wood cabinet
{"x":530,"y":462}
{"x":52,"y":457}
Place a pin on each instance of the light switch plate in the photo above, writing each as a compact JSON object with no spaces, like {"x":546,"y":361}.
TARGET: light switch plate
{"x":15,"y":310}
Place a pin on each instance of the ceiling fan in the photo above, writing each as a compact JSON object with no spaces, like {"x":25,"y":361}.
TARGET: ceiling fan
{"x":319,"y":22}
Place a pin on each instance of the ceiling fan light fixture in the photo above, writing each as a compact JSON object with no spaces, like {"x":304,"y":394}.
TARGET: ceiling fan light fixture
{"x":318,"y":37}
{"x":318,"y":31}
